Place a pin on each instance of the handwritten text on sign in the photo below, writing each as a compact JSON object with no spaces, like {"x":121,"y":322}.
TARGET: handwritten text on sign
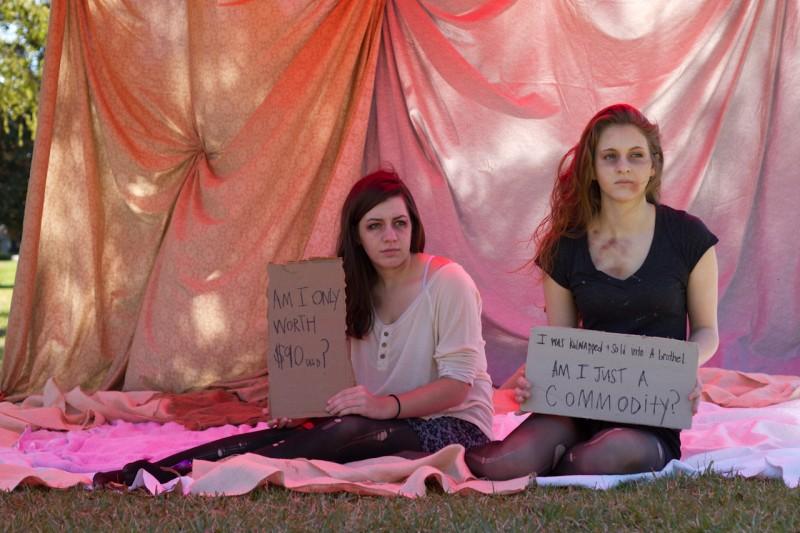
{"x":611,"y":376}
{"x":307,"y":357}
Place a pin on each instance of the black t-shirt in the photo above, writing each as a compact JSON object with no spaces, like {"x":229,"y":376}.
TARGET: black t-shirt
{"x":652,"y":301}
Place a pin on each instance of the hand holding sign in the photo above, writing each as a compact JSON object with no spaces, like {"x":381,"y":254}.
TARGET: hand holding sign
{"x":611,"y":376}
{"x":522,"y":389}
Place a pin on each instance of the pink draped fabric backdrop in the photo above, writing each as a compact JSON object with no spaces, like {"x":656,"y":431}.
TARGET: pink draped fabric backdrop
{"x":475,"y":102}
{"x":184,"y":145}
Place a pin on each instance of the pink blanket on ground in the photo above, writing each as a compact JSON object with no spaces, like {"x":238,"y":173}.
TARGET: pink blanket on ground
{"x":763,"y":439}
{"x":55,"y":409}
{"x":731,"y":388}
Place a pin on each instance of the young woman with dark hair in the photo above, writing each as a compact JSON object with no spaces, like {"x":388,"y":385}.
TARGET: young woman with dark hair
{"x":613,"y":259}
{"x":361,"y":274}
{"x":414,"y":328}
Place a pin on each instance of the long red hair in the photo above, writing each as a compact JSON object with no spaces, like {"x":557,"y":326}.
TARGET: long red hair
{"x":575,"y":199}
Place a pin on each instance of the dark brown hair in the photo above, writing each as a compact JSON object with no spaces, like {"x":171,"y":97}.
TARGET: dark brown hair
{"x":575,"y":199}
{"x":359,"y":273}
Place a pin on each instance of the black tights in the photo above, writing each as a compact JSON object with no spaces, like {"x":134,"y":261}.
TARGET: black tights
{"x":546,"y":444}
{"x":344,"y":439}
{"x":341,"y":439}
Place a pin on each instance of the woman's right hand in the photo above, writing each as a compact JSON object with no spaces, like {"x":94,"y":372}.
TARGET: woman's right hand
{"x":522,"y":389}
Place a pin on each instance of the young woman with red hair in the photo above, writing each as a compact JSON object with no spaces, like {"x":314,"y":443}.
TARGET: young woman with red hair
{"x":613,"y":259}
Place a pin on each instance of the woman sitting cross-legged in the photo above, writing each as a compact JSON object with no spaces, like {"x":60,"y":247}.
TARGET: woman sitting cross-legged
{"x":414,"y":327}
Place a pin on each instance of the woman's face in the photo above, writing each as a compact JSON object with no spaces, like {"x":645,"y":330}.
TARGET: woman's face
{"x":385,"y":233}
{"x":622,"y":163}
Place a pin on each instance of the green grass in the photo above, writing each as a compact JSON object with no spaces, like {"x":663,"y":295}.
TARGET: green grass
{"x":8,"y":270}
{"x":706,"y":503}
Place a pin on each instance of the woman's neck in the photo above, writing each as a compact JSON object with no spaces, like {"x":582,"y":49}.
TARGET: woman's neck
{"x":399,"y":275}
{"x":623,"y":219}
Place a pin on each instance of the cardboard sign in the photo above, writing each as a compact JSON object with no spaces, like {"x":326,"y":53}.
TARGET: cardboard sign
{"x":610,"y":376}
{"x":307,"y":355}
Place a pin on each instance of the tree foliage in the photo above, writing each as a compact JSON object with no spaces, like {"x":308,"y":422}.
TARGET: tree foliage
{"x":23,"y":34}
{"x":15,"y":163}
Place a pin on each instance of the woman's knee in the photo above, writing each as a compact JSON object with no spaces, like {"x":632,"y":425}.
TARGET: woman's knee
{"x":344,"y":427}
{"x":535,"y":447}
{"x":615,"y":451}
{"x":488,"y":461}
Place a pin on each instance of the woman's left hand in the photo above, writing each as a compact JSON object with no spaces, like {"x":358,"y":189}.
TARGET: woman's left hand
{"x":694,"y":396}
{"x":281,"y":423}
{"x":359,"y":401}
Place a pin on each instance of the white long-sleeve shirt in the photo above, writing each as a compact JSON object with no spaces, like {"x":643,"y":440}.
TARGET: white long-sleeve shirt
{"x":438,"y":336}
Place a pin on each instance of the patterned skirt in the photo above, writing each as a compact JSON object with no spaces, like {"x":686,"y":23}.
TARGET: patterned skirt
{"x":436,"y":433}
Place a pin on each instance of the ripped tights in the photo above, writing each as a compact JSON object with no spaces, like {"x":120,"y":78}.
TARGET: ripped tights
{"x":554,"y":445}
{"x":338,"y":439}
